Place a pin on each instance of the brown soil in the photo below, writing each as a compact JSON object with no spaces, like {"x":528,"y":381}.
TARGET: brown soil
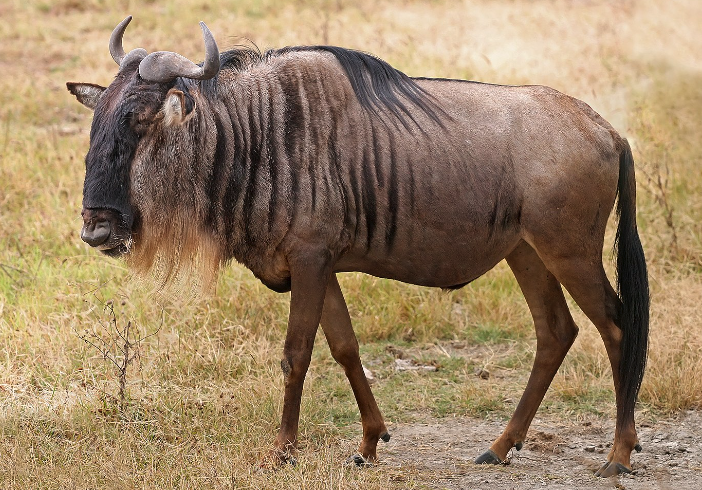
{"x":556,"y":455}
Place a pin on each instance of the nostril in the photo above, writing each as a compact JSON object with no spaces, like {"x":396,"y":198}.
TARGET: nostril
{"x":95,"y":233}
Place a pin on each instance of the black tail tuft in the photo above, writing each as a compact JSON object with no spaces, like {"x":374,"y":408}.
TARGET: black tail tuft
{"x":632,"y":285}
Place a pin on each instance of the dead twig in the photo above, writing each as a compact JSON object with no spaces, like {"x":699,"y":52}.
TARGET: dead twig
{"x":118,"y":343}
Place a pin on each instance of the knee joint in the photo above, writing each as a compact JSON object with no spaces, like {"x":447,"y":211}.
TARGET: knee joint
{"x":294,"y":366}
{"x":286,"y":367}
{"x":345,"y":353}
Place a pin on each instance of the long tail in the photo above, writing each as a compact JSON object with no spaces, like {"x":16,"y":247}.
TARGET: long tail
{"x":632,"y":285}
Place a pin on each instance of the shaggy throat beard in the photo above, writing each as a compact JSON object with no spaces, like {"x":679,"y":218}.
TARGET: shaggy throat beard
{"x":180,"y":253}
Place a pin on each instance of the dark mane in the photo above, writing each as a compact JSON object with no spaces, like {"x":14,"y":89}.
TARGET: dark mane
{"x":378,"y":86}
{"x":240,"y":59}
{"x":237,"y":59}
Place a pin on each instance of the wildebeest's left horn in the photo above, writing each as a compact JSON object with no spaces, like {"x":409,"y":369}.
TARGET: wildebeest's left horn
{"x":116,"y":49}
{"x":164,"y":66}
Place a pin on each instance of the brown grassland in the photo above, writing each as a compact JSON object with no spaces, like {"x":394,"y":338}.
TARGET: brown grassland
{"x":203,"y":393}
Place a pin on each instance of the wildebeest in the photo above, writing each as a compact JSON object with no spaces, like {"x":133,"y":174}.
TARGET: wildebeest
{"x":304,"y":162}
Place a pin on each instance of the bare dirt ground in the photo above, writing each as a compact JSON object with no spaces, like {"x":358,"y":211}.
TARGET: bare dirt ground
{"x":556,"y":455}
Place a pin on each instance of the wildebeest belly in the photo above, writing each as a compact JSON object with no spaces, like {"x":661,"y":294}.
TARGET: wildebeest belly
{"x":444,"y":223}
{"x":433,"y":258}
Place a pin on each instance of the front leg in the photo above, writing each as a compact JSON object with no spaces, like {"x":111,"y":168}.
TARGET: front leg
{"x":336,"y":324}
{"x":309,"y":274}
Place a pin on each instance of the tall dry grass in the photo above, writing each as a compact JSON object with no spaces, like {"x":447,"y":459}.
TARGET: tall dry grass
{"x":206,"y":390}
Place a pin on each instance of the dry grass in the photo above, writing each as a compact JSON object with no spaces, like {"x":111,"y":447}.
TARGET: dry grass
{"x":206,"y":392}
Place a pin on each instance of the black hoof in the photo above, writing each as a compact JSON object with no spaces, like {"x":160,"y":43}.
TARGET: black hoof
{"x":612,"y":469}
{"x":488,"y":457}
{"x":519,"y":446}
{"x":358,"y":461}
{"x":638,"y":447}
{"x":385,"y":437}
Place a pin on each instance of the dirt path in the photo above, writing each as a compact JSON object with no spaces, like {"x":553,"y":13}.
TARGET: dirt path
{"x":556,"y":455}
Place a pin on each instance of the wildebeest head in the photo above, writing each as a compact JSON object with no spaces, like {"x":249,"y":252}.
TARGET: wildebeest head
{"x":138,"y":139}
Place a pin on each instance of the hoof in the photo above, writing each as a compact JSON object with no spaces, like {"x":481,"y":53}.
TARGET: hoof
{"x":519,"y":446}
{"x":638,"y":448}
{"x":488,"y":457}
{"x":385,"y":437}
{"x":276,"y":460}
{"x":612,"y":469}
{"x":358,"y":461}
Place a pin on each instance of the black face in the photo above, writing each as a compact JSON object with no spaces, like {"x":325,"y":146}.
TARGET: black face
{"x":123,"y":115}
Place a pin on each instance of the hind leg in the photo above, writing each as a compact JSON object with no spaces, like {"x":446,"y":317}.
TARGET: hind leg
{"x":587,"y":283}
{"x":555,"y":333}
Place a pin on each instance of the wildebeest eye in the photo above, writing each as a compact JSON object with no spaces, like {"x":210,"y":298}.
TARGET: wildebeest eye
{"x":137,"y":121}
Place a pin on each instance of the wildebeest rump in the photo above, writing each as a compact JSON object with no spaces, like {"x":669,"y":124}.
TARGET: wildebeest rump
{"x":308,"y":161}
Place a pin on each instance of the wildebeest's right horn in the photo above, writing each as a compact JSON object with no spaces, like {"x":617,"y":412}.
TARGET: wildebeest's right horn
{"x":164,"y":66}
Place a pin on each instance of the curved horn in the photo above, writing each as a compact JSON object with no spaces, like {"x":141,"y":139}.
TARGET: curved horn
{"x":165,"y":66}
{"x":116,"y":49}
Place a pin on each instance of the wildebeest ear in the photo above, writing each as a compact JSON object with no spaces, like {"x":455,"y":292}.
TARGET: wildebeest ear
{"x":175,"y":109}
{"x":86,"y":93}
